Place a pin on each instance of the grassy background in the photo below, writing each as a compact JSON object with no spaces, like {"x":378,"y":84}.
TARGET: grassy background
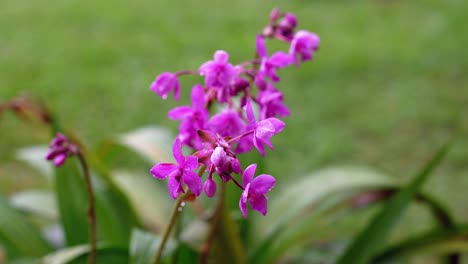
{"x":385,"y":90}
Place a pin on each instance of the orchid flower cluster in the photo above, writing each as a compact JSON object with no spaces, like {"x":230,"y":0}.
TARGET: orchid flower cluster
{"x":217,"y":139}
{"x":60,"y":148}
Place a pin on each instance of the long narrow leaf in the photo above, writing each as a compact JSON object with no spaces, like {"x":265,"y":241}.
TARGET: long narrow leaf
{"x":19,"y":236}
{"x":295,"y":202}
{"x":72,"y":202}
{"x":78,"y":255}
{"x":439,"y":240}
{"x":371,"y":239}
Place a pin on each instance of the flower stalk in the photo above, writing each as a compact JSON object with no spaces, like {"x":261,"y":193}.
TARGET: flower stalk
{"x":172,"y":221}
{"x":91,"y":210}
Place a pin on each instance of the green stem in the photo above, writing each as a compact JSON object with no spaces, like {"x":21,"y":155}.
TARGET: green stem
{"x":205,"y":252}
{"x":91,"y":210}
{"x":173,"y":220}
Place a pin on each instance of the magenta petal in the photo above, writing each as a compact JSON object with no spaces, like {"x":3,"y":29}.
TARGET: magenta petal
{"x":261,"y":47}
{"x":198,"y":97}
{"x":221,"y":56}
{"x":258,"y":144}
{"x":174,"y":187}
{"x":191,"y":163}
{"x":243,"y":207}
{"x":250,"y":113}
{"x":193,"y":182}
{"x":179,"y":112}
{"x":259,"y":203}
{"x":265,"y":130}
{"x":263,"y":183}
{"x":162,"y":170}
{"x":280,"y":59}
{"x":219,"y":157}
{"x":60,"y":159}
{"x":236,"y":166}
{"x":177,"y":151}
{"x":277,"y":124}
{"x":210,"y":187}
{"x":248,"y":174}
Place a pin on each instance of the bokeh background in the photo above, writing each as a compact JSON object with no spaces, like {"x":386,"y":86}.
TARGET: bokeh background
{"x":387,"y":88}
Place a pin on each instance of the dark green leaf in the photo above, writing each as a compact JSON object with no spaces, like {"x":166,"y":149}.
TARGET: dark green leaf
{"x":19,"y":237}
{"x":374,"y":235}
{"x":437,"y":241}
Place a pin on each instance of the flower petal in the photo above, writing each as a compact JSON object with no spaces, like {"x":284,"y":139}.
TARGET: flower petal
{"x":162,"y":170}
{"x":191,"y":163}
{"x":263,"y":183}
{"x":179,"y":112}
{"x":250,"y":113}
{"x":174,"y":187}
{"x":221,"y":56}
{"x":243,"y":207}
{"x":219,"y":158}
{"x":261,"y":47}
{"x":177,"y":152}
{"x":277,"y":124}
{"x":258,"y":144}
{"x":259,"y":203}
{"x":248,"y":174}
{"x":198,"y":97}
{"x":193,"y":182}
{"x":60,"y":159}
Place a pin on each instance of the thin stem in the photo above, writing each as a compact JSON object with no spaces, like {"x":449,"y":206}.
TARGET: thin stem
{"x":91,"y":210}
{"x":173,"y":220}
{"x":237,"y":183}
{"x":205,"y":252}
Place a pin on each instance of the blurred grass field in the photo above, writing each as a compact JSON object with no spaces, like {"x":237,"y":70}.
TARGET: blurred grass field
{"x":387,"y":88}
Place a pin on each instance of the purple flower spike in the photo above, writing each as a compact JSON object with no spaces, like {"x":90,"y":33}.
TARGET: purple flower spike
{"x":180,"y":173}
{"x":303,"y":45}
{"x":255,"y":190}
{"x":263,"y":130}
{"x":59,"y":149}
{"x":164,"y":83}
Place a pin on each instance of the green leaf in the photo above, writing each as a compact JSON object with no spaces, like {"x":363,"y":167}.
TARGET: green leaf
{"x":143,"y":247}
{"x":114,"y":213}
{"x":79,"y":254}
{"x":38,"y":202}
{"x":152,"y":201}
{"x":437,"y":241}
{"x":35,"y":157}
{"x":153,"y":143}
{"x":72,"y":201}
{"x":294,"y":203}
{"x":19,"y":237}
{"x":363,"y":248}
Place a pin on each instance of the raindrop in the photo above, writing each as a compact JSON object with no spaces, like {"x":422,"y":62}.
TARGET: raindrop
{"x":182,"y":204}
{"x":179,"y":209}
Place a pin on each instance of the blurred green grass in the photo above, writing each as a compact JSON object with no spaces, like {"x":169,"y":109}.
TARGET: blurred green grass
{"x":387,"y":87}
